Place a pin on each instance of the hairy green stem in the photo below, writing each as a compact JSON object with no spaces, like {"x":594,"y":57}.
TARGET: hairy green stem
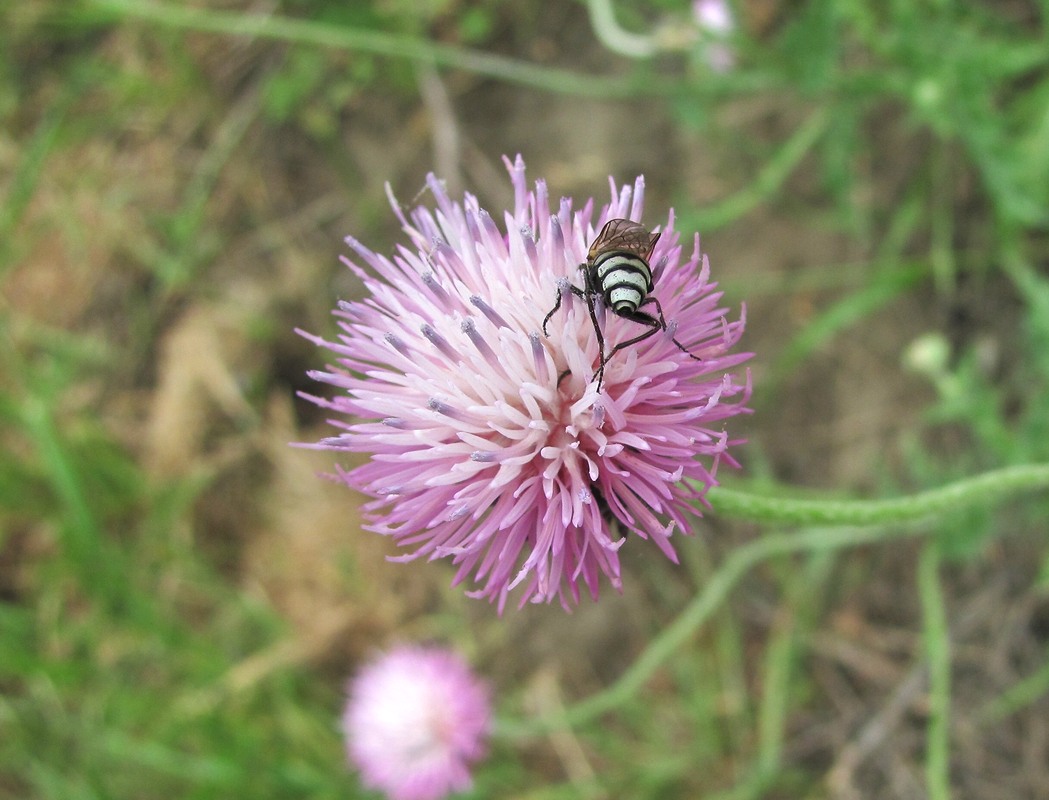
{"x":988,"y":488}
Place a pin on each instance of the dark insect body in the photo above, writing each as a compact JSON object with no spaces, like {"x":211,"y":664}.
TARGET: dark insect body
{"x":617,"y":271}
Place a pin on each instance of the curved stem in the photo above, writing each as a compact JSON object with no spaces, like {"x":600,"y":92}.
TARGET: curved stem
{"x":986,"y":489}
{"x":699,"y":609}
{"x":989,"y":488}
{"x":615,"y":38}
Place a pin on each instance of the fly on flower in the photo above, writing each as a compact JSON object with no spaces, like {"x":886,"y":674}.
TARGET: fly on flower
{"x":478,"y":449}
{"x":617,"y":271}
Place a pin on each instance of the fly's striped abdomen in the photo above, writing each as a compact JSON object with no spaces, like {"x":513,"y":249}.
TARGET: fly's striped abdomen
{"x":625,"y":280}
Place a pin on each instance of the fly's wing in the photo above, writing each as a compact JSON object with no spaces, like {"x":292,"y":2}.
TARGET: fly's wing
{"x":624,"y":235}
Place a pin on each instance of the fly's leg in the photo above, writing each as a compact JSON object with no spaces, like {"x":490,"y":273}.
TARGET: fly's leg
{"x":663,"y":326}
{"x":654,"y":324}
{"x":557,"y":306}
{"x":640,"y":317}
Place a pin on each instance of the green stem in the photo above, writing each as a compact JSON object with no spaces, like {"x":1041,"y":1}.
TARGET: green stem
{"x":697,"y":612}
{"x":938,"y":651}
{"x":987,"y":489}
{"x":380,"y":43}
{"x":615,"y":38}
{"x":769,"y":178}
{"x":1025,"y":692}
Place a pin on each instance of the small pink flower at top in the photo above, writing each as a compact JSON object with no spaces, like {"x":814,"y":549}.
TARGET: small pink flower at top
{"x":518,"y":422}
{"x":415,"y":721}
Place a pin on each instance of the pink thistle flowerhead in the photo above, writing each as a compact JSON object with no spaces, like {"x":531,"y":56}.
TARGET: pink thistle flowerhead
{"x":491,"y":442}
{"x":416,"y":719}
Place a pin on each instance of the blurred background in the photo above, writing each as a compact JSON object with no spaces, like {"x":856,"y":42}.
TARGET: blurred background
{"x":182,"y":599}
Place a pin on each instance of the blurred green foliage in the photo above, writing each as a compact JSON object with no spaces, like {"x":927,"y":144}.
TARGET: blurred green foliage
{"x":311,"y":85}
{"x":113,"y":689}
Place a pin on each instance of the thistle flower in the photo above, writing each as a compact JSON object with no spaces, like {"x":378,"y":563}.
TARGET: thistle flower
{"x":415,"y":720}
{"x":491,"y":443}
